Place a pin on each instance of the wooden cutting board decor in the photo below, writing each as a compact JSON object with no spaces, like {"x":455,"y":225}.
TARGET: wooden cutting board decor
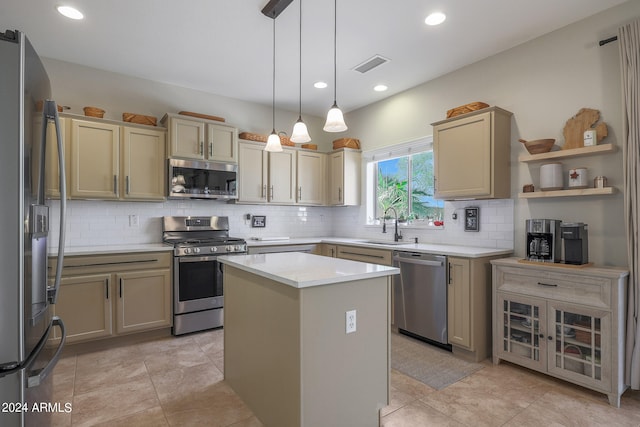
{"x":574,"y":129}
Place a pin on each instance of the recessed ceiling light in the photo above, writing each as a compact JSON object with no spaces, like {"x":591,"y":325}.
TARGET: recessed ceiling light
{"x":320,"y":85}
{"x":380,"y":88}
{"x":70,"y":12}
{"x":435,"y":18}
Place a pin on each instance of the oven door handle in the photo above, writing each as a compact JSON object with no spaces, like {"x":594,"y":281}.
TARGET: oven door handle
{"x":197,"y":258}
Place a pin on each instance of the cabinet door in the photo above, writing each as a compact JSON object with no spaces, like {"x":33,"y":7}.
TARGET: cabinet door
{"x":459,"y":304}
{"x":143,"y":164}
{"x":282,"y":177}
{"x":94,"y":160}
{"x":52,"y":169}
{"x":222,"y":143}
{"x":84,"y":304}
{"x":520,"y":330}
{"x":186,"y":139}
{"x":462,"y":157}
{"x":143,"y":300}
{"x":336,"y":178}
{"x":252,"y":173}
{"x":329,"y":250}
{"x":580,"y":349}
{"x":310,"y":173}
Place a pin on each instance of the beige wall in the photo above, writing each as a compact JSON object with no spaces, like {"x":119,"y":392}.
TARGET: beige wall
{"x":78,"y":86}
{"x":543,"y":82}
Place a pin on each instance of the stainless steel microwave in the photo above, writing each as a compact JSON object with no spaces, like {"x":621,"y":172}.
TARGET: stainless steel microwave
{"x":194,"y":179}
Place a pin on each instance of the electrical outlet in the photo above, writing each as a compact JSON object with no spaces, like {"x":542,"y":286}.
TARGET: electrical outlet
{"x":351,"y":321}
{"x":133,"y":220}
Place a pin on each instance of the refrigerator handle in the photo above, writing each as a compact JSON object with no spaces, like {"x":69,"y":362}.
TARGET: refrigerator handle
{"x":50,"y":112}
{"x":38,"y":377}
{"x":13,"y":367}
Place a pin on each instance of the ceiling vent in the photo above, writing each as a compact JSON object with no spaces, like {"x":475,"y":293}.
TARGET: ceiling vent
{"x":371,"y":63}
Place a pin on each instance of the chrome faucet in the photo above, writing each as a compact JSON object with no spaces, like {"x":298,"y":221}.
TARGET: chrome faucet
{"x":396,"y":235}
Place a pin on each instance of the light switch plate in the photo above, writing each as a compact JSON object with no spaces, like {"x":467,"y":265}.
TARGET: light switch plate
{"x":472,"y":218}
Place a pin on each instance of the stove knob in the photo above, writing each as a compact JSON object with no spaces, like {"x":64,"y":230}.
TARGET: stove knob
{"x":238,"y":248}
{"x":214,"y":249}
{"x":196,"y":250}
{"x":229,"y":248}
{"x":187,"y":250}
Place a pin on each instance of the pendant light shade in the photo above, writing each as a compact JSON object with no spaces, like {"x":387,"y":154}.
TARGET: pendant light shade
{"x":300,"y":133}
{"x":335,"y":120}
{"x":273,"y":142}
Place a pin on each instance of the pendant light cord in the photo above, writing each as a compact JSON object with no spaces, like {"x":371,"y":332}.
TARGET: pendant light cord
{"x":273,"y":97}
{"x":335,"y":36}
{"x":300,"y":68}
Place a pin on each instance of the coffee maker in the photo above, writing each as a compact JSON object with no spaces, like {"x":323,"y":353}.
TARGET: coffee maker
{"x":576,"y":244}
{"x":543,"y":240}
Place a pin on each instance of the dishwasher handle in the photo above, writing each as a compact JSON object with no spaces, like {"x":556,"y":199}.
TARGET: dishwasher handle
{"x":418,"y":261}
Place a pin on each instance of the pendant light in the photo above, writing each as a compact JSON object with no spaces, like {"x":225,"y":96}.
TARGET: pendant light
{"x":273,"y":142}
{"x":335,"y":120}
{"x":300,"y":133}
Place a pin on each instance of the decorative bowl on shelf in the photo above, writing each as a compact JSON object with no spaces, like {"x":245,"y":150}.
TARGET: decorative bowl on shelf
{"x":538,"y":146}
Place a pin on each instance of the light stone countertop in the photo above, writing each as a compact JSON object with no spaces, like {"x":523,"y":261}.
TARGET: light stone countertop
{"x":111,"y":249}
{"x":431,"y":248}
{"x":302,"y":270}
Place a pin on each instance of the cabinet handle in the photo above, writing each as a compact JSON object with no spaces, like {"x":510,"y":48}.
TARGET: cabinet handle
{"x":449,"y":281}
{"x":300,"y":193}
{"x":263,"y":195}
{"x":550,"y":285}
{"x":332,"y":253}
{"x":339,"y":194}
{"x":211,"y":149}
{"x":550,"y":338}
{"x":541,"y":335}
{"x":271,"y":193}
{"x":121,"y":287}
{"x":106,"y":287}
{"x":115,"y":184}
{"x":127,"y":184}
{"x":202,"y":148}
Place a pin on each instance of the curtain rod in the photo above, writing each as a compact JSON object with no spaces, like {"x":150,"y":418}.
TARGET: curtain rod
{"x":609,"y":40}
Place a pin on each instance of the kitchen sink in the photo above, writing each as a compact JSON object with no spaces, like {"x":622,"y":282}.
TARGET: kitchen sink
{"x":385,"y":242}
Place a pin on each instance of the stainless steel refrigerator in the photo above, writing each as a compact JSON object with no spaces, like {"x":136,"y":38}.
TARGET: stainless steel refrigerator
{"x":26,"y":296}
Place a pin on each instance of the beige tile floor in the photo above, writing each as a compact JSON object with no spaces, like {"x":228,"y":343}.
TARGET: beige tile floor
{"x":178,"y":381}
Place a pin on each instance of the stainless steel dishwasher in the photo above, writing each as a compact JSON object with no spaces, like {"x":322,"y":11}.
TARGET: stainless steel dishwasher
{"x":420,"y":296}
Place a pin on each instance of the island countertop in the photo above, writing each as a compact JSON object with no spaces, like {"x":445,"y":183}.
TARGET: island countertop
{"x":302,"y":270}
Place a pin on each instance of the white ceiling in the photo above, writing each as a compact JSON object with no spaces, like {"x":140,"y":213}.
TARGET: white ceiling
{"x":225,"y":46}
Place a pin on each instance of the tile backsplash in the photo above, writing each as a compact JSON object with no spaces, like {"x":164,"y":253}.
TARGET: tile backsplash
{"x":95,"y":223}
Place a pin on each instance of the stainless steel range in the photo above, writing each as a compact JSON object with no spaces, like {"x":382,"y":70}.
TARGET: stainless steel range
{"x":197,"y":276}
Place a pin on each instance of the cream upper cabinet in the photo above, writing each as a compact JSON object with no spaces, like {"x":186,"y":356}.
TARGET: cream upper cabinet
{"x":472,"y":154}
{"x":201,"y":139}
{"x":95,"y":160}
{"x":344,"y":177}
{"x":252,"y":173}
{"x":310,"y":178}
{"x":143,"y":164}
{"x":266,"y":177}
{"x":222,"y":143}
{"x":282,"y":177}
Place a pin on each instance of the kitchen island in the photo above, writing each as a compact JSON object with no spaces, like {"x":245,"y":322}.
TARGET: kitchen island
{"x":287,"y":352}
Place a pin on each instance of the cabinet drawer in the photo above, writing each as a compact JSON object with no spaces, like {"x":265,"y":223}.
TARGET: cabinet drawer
{"x":95,"y":264}
{"x":374,"y":256}
{"x":559,"y":286}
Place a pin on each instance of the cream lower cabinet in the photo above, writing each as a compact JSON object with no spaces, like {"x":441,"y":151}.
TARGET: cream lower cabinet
{"x":108,"y":295}
{"x":472,"y":154}
{"x":265,"y":177}
{"x":327,"y":249}
{"x":568,"y":323}
{"x":469,"y":307}
{"x":370,"y":255}
{"x":114,"y":162}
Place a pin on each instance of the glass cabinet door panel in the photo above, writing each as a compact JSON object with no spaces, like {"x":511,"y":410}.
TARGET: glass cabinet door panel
{"x":577,"y":351}
{"x":521,"y":328}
